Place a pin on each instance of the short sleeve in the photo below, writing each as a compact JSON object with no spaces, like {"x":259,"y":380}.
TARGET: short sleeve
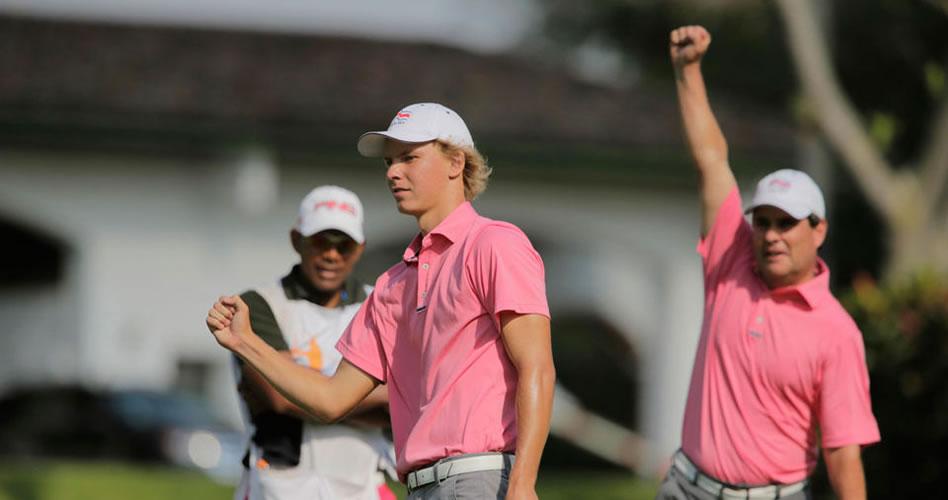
{"x":506,"y":272}
{"x":727,"y":243}
{"x":845,"y":407}
{"x":361,"y":345}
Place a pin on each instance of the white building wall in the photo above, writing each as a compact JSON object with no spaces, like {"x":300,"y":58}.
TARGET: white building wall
{"x":156,"y":241}
{"x":633,"y":260}
{"x":35,"y":346}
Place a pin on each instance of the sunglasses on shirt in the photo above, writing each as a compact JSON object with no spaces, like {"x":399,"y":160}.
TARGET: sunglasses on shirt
{"x":326,"y":240}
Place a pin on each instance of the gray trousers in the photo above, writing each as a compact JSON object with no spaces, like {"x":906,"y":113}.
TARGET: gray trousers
{"x":484,"y":485}
{"x":677,"y":487}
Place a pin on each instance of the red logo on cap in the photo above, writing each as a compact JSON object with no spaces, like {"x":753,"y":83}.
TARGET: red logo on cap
{"x":333,"y":205}
{"x":780,"y":183}
{"x":401,"y":117}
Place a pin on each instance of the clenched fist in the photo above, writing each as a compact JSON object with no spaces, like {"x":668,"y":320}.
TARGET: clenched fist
{"x":229,"y":321}
{"x":688,"y":45}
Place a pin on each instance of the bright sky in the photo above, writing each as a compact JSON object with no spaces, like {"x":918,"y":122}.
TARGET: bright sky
{"x":481,"y":25}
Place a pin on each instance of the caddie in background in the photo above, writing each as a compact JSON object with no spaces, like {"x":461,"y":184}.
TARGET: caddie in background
{"x":458,"y":329}
{"x":780,"y":369}
{"x":301,"y":316}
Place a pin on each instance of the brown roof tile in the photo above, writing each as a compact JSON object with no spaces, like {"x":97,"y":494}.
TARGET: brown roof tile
{"x":83,"y":72}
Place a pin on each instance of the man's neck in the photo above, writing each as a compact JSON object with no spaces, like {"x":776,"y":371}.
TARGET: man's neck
{"x":430,"y":219}
{"x":793,"y":281}
{"x":323,"y":298}
{"x":327,"y":299}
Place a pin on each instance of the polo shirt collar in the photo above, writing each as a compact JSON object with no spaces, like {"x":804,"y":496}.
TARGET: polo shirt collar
{"x":452,"y":228}
{"x":813,"y":291}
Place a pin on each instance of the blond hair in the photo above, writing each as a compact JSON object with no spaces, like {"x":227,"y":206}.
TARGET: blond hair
{"x":476,"y":170}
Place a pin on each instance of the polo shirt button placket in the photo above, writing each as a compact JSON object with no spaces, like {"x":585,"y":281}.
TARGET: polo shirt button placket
{"x":423,"y":271}
{"x":423,"y":281}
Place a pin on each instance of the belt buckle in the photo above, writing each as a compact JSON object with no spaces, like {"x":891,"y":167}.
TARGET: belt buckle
{"x":420,"y":477}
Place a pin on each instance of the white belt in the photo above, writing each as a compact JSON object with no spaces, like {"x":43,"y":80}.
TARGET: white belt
{"x":730,"y":492}
{"x":460,"y":464}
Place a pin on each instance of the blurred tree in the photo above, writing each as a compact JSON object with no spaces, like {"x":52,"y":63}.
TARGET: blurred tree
{"x":904,"y":324}
{"x":889,"y":127}
{"x":911,"y":201}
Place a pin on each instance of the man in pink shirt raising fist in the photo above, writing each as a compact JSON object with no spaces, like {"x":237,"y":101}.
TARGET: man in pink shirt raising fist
{"x":458,"y":330}
{"x":780,"y":369}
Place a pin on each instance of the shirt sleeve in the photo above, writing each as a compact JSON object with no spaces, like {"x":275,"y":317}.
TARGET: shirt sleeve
{"x":361,"y":344}
{"x":727,"y":243}
{"x":845,"y":407}
{"x":507,"y":273}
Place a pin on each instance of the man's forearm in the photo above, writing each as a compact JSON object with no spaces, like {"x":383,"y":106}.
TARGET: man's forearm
{"x":844,"y":468}
{"x":260,"y":395}
{"x":534,"y":409}
{"x":705,"y":139}
{"x":302,"y":386}
{"x":371,"y":411}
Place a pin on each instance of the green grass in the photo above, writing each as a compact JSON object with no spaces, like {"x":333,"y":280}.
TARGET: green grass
{"x":574,"y":485}
{"x":114,"y":481}
{"x":104,"y":481}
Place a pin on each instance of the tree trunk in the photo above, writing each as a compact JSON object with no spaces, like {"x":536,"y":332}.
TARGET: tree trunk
{"x":918,"y":249}
{"x":910,"y":201}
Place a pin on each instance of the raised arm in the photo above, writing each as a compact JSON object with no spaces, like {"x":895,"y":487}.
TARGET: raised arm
{"x":708,"y":147}
{"x":527,"y":339}
{"x":326,"y":399}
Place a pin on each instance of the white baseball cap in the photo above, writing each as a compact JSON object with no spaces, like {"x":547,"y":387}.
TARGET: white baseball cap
{"x":418,"y":123}
{"x":331,"y":207}
{"x":792,"y":191}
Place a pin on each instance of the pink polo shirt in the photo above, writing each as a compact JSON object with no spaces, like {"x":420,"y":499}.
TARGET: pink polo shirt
{"x":772,"y":367}
{"x":431,"y":332}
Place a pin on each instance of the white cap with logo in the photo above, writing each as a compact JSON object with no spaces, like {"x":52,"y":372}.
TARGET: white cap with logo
{"x":418,"y":123}
{"x":331,"y":207}
{"x":792,"y":191}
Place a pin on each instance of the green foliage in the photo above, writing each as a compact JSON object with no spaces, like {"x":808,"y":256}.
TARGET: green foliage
{"x":934,"y":79}
{"x":882,"y":128}
{"x":889,"y":55}
{"x":753,"y":61}
{"x":905,"y":329}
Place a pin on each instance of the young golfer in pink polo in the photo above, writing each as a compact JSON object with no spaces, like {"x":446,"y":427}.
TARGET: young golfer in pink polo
{"x":780,"y":369}
{"x":458,"y":330}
